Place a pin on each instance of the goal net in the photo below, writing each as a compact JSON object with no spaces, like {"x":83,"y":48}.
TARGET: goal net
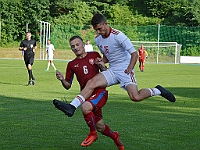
{"x":160,"y":52}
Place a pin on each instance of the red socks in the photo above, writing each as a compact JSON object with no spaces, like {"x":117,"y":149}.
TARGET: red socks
{"x":108,"y":132}
{"x":90,"y":120}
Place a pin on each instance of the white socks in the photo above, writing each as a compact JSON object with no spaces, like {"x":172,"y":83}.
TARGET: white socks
{"x":154,"y":91}
{"x":48,"y":65}
{"x":78,"y":101}
{"x":52,"y":65}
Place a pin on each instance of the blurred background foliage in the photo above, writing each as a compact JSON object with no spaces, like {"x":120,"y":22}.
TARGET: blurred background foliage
{"x":179,"y":20}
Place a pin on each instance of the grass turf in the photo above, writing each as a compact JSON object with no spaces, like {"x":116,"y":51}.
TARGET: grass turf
{"x":30,"y":121}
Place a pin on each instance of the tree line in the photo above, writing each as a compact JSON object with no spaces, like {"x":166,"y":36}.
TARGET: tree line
{"x":14,"y":14}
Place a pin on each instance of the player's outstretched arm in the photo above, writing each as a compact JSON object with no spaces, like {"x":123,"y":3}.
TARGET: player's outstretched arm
{"x":60,"y":77}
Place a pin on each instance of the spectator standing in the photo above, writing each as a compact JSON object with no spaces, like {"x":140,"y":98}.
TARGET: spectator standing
{"x":88,"y":46}
{"x":50,"y":53}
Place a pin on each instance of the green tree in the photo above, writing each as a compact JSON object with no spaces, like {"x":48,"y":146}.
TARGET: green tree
{"x":16,"y":13}
{"x":80,"y":15}
{"x":60,"y":7}
{"x":33,"y":12}
{"x":193,"y":7}
{"x":120,"y":15}
{"x":174,"y":12}
{"x":9,"y":20}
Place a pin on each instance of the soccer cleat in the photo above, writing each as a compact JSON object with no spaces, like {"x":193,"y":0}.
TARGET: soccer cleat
{"x":117,"y":141}
{"x":90,"y":139}
{"x":68,"y":109}
{"x":166,"y":94}
{"x":29,"y":82}
{"x":33,"y":82}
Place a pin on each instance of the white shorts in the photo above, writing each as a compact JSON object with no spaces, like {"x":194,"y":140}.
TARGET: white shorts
{"x":50,"y":57}
{"x":119,"y":77}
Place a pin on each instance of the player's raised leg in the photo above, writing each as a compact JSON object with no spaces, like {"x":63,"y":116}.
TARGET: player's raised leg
{"x":166,"y":94}
{"x":144,"y":93}
{"x":68,"y":109}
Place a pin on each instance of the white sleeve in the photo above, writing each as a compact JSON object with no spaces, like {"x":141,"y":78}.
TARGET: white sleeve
{"x":125,"y":42}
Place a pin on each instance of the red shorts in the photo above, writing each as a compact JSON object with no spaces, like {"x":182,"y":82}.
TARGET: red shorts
{"x":98,"y":100}
{"x":141,"y":59}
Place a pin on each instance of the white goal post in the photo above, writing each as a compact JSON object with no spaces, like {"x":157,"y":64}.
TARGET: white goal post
{"x":160,"y":52}
{"x":44,"y":36}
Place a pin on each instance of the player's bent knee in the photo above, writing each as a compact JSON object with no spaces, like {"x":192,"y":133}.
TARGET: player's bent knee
{"x":135,"y":98}
{"x":86,"y":107}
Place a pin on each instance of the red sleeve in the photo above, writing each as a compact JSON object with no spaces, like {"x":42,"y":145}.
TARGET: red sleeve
{"x":69,"y":73}
{"x":84,"y":69}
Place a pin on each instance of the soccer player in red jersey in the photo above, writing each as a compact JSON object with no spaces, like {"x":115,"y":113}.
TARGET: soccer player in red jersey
{"x":84,"y":67}
{"x":142,"y":57}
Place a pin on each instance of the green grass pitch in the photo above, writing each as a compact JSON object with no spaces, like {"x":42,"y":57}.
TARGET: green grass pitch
{"x":30,"y":121}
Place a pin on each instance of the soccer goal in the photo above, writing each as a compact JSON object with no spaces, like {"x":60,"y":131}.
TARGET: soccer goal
{"x":160,"y":52}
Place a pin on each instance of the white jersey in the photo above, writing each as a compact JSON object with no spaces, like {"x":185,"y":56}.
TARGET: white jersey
{"x":88,"y":48}
{"x":117,"y":48}
{"x":50,"y":49}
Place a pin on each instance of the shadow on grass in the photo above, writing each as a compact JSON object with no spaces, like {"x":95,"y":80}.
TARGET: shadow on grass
{"x":190,"y":92}
{"x":187,"y":92}
{"x":11,"y":83}
{"x":153,"y":123}
{"x":27,"y":124}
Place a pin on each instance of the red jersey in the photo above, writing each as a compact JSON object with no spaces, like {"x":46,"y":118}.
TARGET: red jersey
{"x":142,"y":53}
{"x":84,"y":69}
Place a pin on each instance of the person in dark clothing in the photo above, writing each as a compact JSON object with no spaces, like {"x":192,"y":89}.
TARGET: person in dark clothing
{"x":29,"y":47}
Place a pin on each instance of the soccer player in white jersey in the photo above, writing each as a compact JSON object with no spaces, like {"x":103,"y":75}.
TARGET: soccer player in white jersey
{"x":50,"y":52}
{"x":121,"y":55}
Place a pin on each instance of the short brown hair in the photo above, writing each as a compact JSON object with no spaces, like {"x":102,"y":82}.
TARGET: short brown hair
{"x":75,"y":37}
{"x":97,"y":19}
